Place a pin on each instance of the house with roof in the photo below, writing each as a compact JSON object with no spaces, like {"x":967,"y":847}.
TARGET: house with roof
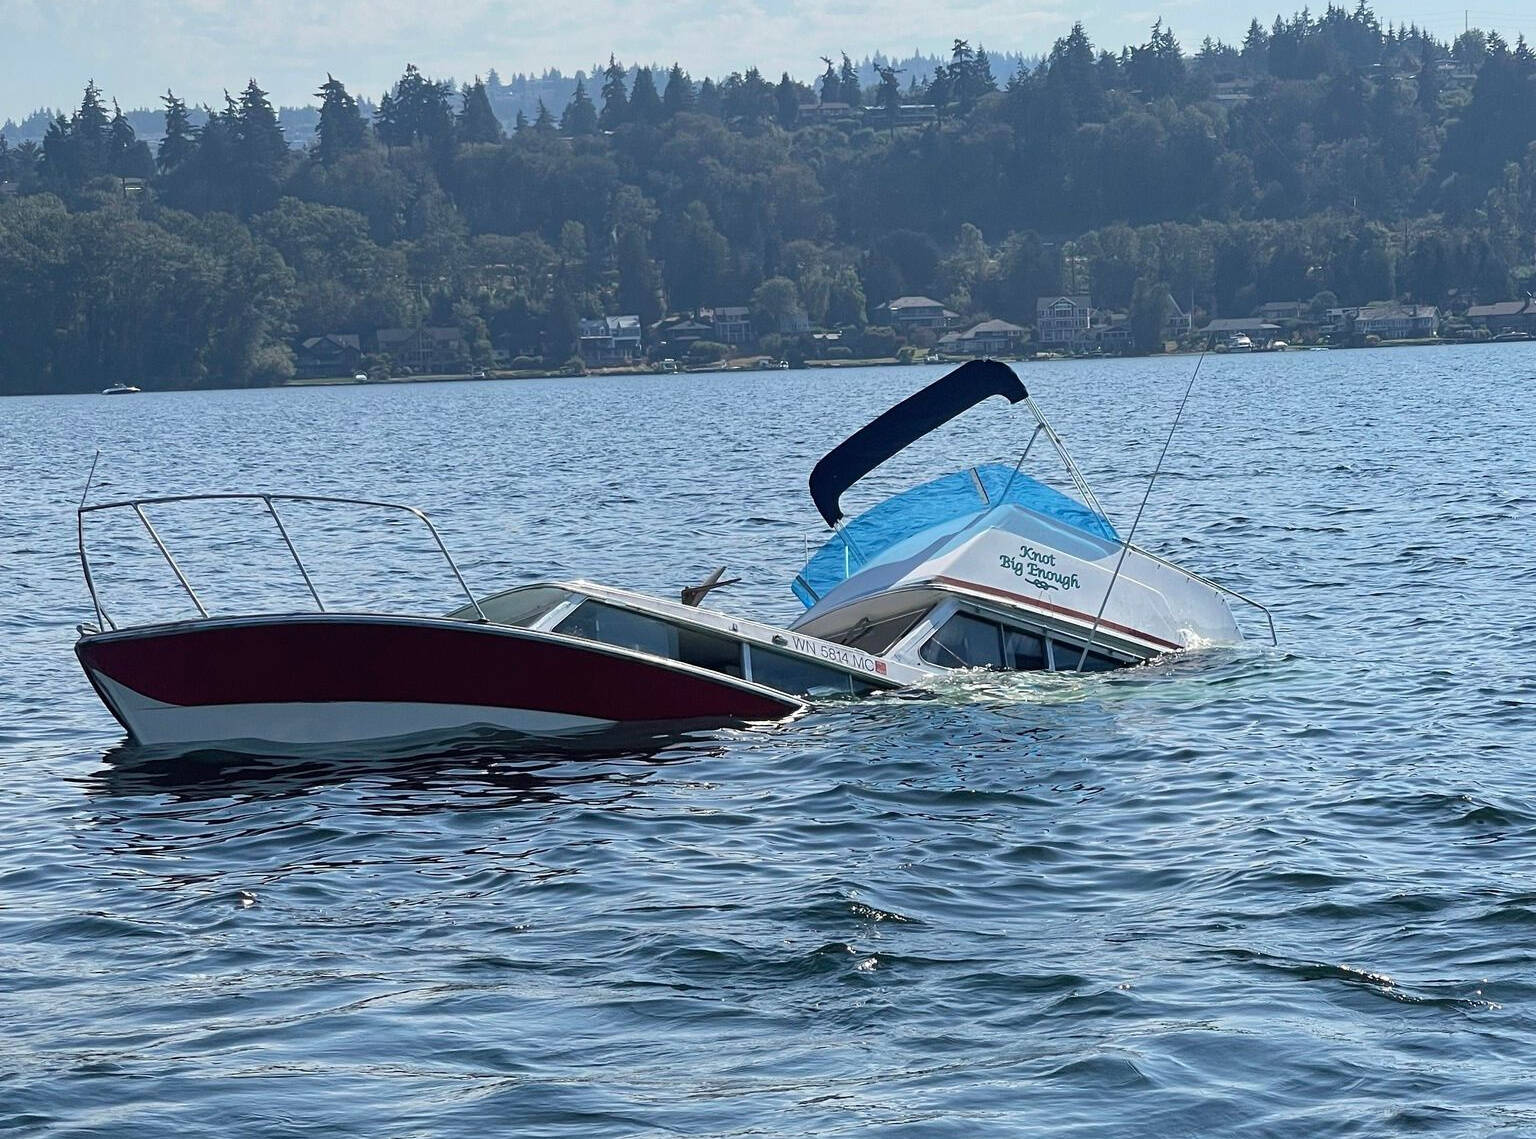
{"x":610,"y":340}
{"x":1177,"y":324}
{"x":1255,"y":328}
{"x":334,"y":354}
{"x":906,"y":314}
{"x":423,"y":350}
{"x":731,"y":324}
{"x":675,"y":335}
{"x":1398,"y":322}
{"x":989,"y":338}
{"x":1282,"y":310}
{"x":1110,"y":332}
{"x":1504,"y":316}
{"x":1063,"y":320}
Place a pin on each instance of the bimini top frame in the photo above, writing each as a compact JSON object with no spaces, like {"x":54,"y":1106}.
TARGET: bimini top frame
{"x":270,"y":501}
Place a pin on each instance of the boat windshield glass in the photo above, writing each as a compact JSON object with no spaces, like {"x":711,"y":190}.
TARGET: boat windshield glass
{"x":947,"y":499}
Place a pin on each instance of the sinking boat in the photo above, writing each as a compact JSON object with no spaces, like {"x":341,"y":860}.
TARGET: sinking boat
{"x":986,"y":567}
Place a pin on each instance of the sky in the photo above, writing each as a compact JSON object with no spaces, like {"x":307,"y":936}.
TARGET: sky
{"x":135,"y":49}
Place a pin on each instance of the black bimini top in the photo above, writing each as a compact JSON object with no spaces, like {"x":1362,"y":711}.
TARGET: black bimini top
{"x":906,"y":423}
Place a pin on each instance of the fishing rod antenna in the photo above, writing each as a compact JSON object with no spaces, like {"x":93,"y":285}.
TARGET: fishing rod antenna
{"x":1125,"y":547}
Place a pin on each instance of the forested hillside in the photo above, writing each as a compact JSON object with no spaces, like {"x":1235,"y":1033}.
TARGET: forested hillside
{"x":1321,"y":155}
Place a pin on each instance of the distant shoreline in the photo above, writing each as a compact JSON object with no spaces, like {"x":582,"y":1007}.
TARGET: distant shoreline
{"x":810,"y":365}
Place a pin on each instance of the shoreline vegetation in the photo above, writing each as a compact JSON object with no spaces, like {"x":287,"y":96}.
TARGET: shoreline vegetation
{"x":753,"y":365}
{"x":1334,"y":168}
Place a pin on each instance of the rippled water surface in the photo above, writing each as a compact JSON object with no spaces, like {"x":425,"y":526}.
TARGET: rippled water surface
{"x":1261,"y":892}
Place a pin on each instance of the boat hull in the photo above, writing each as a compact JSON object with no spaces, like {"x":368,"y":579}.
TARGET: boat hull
{"x":296,"y":680}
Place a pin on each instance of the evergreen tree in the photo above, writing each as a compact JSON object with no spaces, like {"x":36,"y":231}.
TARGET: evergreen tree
{"x":982,"y":72}
{"x":678,"y":96}
{"x":543,"y":121}
{"x":615,"y":112}
{"x":639,"y":282}
{"x":520,"y":124}
{"x":962,"y":69}
{"x":888,"y":97}
{"x":61,"y":159}
{"x":708,"y":101}
{"x":180,"y":139}
{"x":580,"y":115}
{"x":477,"y":121}
{"x":644,"y":103}
{"x":786,"y":98}
{"x":89,"y":130}
{"x":848,"y":84}
{"x":941,"y":89}
{"x":1428,"y":81}
{"x":831,"y":86}
{"x":341,"y":129}
{"x":416,"y":109}
{"x":259,"y":134}
{"x":127,"y":157}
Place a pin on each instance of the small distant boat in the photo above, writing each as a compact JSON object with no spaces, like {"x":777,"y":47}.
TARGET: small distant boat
{"x":1237,"y":342}
{"x":121,"y":389}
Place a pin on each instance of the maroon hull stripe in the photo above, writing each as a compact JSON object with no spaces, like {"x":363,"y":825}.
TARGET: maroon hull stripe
{"x":335,"y":659}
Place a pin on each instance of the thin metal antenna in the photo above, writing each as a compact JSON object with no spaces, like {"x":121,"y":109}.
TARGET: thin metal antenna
{"x":90,"y":476}
{"x":85,"y":566}
{"x":1126,"y":545}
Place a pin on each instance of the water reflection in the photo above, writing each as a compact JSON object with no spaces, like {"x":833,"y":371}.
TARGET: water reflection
{"x":488,"y":770}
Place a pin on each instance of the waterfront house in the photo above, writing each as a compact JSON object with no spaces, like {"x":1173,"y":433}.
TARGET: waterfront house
{"x":1505,"y":316}
{"x":989,"y":338}
{"x":1059,"y":321}
{"x":731,"y":324}
{"x":1110,"y":332}
{"x":1397,"y":322}
{"x":908,"y":313}
{"x":1177,"y":324}
{"x":610,"y":340}
{"x":423,"y":350}
{"x":334,"y":354}
{"x":1282,"y":310}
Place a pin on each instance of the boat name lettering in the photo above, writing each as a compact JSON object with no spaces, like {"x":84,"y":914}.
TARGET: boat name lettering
{"x":850,"y":658}
{"x":1036,"y":565}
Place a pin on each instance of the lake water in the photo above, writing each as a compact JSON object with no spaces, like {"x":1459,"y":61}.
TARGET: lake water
{"x":1261,"y":892}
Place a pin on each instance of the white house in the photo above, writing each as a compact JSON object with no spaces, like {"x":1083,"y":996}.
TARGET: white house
{"x":989,"y":338}
{"x":1398,"y":322}
{"x":1062,"y":320}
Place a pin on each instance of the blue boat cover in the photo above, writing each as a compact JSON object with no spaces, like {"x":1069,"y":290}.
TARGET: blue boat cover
{"x":948,"y":499}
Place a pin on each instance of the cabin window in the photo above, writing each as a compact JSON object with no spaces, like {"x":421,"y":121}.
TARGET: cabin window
{"x":877,"y":637}
{"x":1023,"y":651}
{"x":801,"y":677}
{"x":965,"y":642}
{"x":1068,"y":654}
{"x":628,"y":630}
{"x":524,"y":607}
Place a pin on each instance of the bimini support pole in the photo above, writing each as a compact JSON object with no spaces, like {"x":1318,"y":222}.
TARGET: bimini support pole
{"x":1125,"y":547}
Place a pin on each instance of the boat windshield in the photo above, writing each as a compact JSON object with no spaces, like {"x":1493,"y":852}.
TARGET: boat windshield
{"x":957,"y":497}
